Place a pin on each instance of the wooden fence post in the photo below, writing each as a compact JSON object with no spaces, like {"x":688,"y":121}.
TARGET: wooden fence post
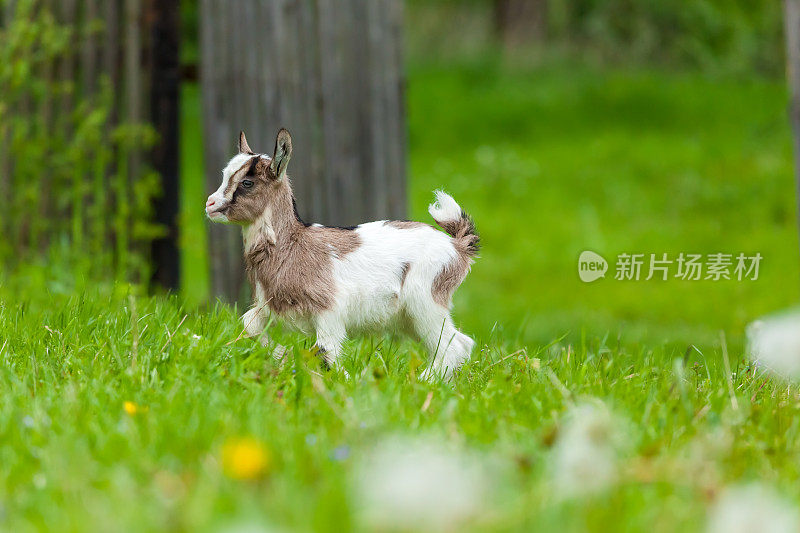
{"x":331,"y":72}
{"x":792,"y":28}
{"x":165,"y":117}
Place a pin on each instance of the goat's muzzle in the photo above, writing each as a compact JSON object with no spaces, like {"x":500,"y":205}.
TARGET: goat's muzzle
{"x":215,"y":207}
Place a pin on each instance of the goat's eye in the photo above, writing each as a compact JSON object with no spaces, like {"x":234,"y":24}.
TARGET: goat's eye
{"x":247,"y":184}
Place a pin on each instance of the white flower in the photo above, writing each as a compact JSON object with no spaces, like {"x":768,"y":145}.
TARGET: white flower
{"x":699,"y":461}
{"x":420,"y":484}
{"x":752,"y":509}
{"x":774,"y":343}
{"x":585,"y":452}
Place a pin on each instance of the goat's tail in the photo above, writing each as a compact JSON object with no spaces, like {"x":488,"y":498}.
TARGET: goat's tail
{"x":449,"y":215}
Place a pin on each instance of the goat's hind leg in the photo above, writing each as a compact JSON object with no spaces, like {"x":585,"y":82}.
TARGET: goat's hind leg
{"x":449,"y":348}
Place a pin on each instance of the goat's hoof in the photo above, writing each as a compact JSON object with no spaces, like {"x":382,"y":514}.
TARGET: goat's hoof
{"x":322,"y":353}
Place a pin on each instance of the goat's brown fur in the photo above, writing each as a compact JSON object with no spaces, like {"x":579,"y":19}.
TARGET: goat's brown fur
{"x":244,"y":148}
{"x":467,"y":243}
{"x":295,"y":272}
{"x":463,"y":232}
{"x":406,"y":224}
{"x":451,"y":276}
{"x":404,"y":273}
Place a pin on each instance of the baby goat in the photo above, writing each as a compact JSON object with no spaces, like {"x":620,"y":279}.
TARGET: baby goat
{"x":397,"y":275}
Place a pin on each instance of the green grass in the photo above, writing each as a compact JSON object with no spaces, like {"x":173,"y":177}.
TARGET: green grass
{"x":74,"y":459}
{"x":549,"y":162}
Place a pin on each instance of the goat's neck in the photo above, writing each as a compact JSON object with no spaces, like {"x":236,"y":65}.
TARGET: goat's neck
{"x":275,"y":226}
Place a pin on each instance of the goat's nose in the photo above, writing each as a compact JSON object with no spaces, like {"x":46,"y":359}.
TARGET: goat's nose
{"x":210,"y":202}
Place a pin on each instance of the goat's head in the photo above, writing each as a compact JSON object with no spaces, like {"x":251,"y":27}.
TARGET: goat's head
{"x":248,"y":181}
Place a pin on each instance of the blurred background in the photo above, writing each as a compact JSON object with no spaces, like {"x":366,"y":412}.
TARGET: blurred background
{"x":617,"y":126}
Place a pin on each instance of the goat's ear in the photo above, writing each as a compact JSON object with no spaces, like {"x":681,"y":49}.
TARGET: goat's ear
{"x":244,"y":148}
{"x":283,"y":152}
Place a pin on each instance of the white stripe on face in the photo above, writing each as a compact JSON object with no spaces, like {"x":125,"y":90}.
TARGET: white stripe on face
{"x":217,"y":200}
{"x":230,"y":169}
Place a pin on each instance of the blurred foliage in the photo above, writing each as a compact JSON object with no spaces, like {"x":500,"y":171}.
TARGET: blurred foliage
{"x":190,"y":30}
{"x":553,"y":161}
{"x":713,"y":35}
{"x":736,"y":34}
{"x":75,"y":192}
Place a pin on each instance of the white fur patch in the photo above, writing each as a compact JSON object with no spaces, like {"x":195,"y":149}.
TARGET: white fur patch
{"x":370,"y":288}
{"x":261,"y":226}
{"x":444,"y":208}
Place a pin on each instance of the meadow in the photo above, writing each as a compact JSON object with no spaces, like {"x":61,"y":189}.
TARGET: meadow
{"x":123,"y":411}
{"x":552,"y":161}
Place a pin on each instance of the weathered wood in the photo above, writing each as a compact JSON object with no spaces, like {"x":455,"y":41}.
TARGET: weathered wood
{"x":331,"y":72}
{"x":225,"y":253}
{"x":133,"y":75}
{"x":792,"y":30}
{"x":92,"y":171}
{"x":112,"y":72}
{"x":67,"y":74}
{"x":46,"y":107}
{"x":165,"y":117}
{"x":89,"y":49}
{"x":6,"y":163}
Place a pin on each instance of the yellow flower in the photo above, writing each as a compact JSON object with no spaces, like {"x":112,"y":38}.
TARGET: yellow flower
{"x":132,"y":409}
{"x":244,"y":458}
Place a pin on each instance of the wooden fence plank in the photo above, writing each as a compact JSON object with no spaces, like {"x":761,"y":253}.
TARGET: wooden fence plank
{"x":6,"y":163}
{"x":165,"y":115}
{"x":225,"y":248}
{"x":331,"y":72}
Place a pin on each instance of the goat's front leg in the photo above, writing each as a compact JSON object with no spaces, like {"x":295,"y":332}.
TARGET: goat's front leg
{"x":255,"y":325}
{"x":331,"y":334}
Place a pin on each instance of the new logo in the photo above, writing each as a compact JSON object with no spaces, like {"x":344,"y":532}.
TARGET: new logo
{"x":591,"y":266}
